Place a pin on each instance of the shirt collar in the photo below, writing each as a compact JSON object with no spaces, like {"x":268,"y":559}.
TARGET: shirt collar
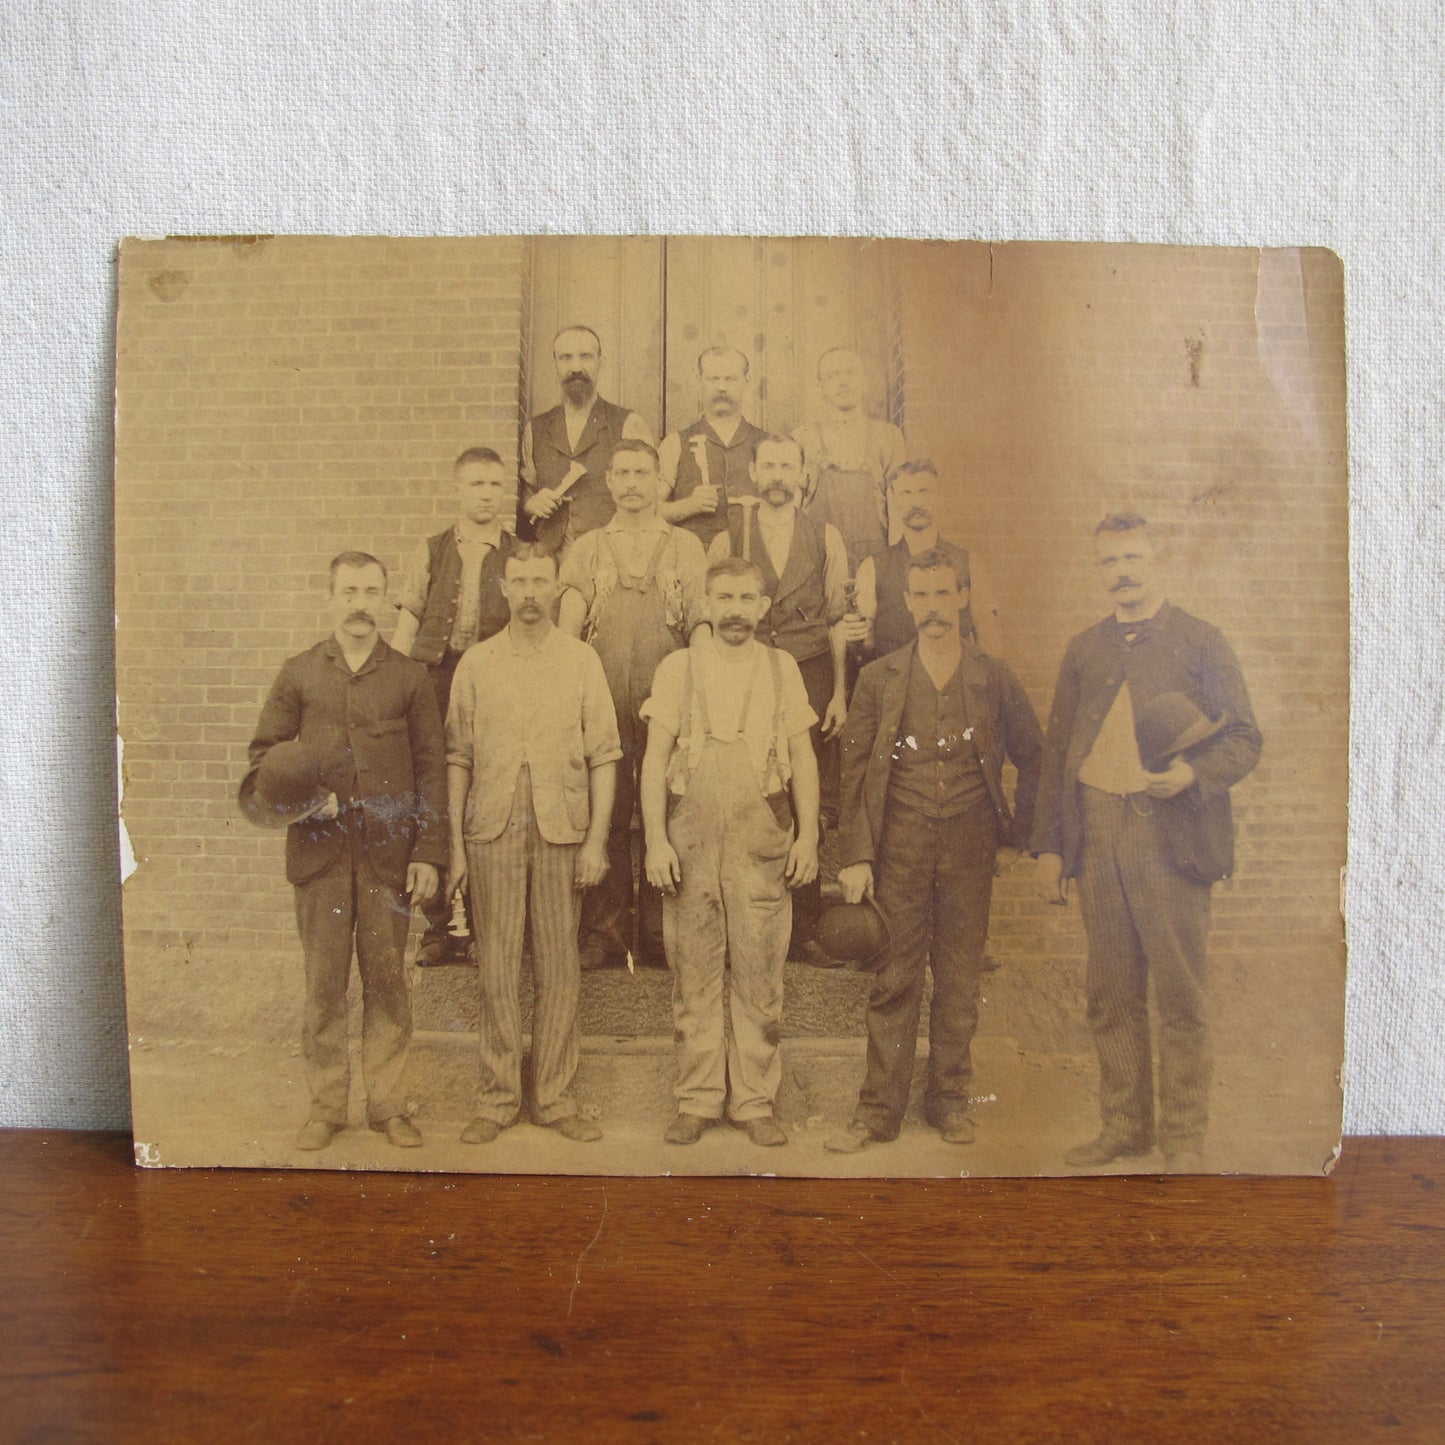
{"x":523,"y":649}
{"x":490,"y":534}
{"x":334,"y":654}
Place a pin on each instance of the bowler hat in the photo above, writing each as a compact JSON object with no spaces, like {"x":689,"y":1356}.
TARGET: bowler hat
{"x":1168,"y":725}
{"x":856,"y":933}
{"x":292,"y":781}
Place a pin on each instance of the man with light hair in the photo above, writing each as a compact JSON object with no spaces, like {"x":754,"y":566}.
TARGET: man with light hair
{"x":848,"y":456}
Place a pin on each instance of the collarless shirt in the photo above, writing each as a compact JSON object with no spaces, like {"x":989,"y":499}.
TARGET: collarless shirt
{"x":546,"y":708}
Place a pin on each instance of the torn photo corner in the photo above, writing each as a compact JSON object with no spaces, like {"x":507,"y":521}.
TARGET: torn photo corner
{"x":686,"y":705}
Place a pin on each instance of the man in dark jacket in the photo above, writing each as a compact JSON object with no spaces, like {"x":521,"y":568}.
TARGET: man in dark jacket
{"x":368,"y":853}
{"x":1150,"y":728}
{"x":925,"y":828}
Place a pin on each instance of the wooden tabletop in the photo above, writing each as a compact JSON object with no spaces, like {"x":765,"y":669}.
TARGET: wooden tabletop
{"x":227,"y":1305}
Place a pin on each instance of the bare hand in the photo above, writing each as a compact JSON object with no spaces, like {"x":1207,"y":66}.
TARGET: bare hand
{"x":856,"y":881}
{"x":591,"y":864}
{"x":834,"y":715}
{"x":1005,"y":859}
{"x":542,"y":504}
{"x":664,"y":867}
{"x":705,"y":498}
{"x":421,"y":883}
{"x":1174,"y":779}
{"x":1049,"y":878}
{"x":802,"y":865}
{"x":329,"y":809}
{"x":457,"y":873}
{"x":855,"y":627}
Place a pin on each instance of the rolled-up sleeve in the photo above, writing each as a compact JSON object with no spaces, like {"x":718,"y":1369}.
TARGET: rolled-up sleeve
{"x":835,"y":574}
{"x":461,"y":714}
{"x":415,"y":581}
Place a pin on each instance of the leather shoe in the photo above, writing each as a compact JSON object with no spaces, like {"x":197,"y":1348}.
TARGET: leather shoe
{"x":440,"y":952}
{"x":481,"y":1131}
{"x":316,"y":1134}
{"x":1105,"y":1150}
{"x":853,"y":1140}
{"x":400,"y":1131}
{"x":764,"y":1131}
{"x":814,"y":954}
{"x":576,"y":1128}
{"x":687,"y":1129}
{"x":956,"y":1128}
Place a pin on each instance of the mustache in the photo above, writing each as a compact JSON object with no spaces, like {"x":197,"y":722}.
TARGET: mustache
{"x":1123,"y":582}
{"x":575,"y":376}
{"x":913,"y":512}
{"x":360,"y":615}
{"x":737,"y":622}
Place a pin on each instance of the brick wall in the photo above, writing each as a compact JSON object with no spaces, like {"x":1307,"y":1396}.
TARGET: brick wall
{"x":278,"y":400}
{"x":282,"y":399}
{"x":1205,"y":390}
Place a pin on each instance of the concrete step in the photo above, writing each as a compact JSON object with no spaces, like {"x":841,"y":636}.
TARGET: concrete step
{"x":630,"y":1079}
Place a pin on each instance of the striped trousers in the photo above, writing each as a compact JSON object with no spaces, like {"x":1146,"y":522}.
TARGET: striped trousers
{"x":1144,"y":922}
{"x":513,"y":876}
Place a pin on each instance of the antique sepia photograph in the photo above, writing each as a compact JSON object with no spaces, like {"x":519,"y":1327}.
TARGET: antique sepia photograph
{"x":693,"y":705}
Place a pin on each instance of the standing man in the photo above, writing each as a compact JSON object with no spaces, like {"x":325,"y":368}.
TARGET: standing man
{"x":634,"y":590}
{"x":368,"y":852}
{"x":926,"y":827}
{"x":913,"y":492}
{"x":565,"y":451}
{"x":706,"y":466}
{"x":805,"y":574}
{"x":532,"y":755}
{"x":727,"y":743}
{"x":1150,"y":728}
{"x":848,"y":457}
{"x":450,"y":597}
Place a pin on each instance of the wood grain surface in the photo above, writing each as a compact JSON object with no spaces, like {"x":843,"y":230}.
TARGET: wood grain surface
{"x":147,"y":1304}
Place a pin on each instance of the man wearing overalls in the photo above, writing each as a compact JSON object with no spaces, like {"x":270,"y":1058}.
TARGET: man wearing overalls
{"x":727,"y":742}
{"x":805,"y":575}
{"x":849,"y":454}
{"x":635,"y":592}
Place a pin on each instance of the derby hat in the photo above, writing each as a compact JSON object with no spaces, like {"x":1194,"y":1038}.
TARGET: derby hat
{"x":855,"y":933}
{"x":1168,"y":725}
{"x":290,"y":784}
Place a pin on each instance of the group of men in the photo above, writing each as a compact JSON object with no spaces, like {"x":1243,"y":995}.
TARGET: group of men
{"x":679,"y":631}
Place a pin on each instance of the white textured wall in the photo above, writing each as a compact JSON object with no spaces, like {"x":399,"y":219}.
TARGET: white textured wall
{"x":1283,"y":124}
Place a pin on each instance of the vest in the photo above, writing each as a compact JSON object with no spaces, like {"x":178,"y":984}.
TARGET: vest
{"x":438,"y":620}
{"x":589,"y":503}
{"x":727,"y":470}
{"x":798,"y":619}
{"x":893,"y":626}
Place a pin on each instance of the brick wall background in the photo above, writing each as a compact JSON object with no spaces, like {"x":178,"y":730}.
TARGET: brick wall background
{"x":1203,"y":389}
{"x":280,"y":399}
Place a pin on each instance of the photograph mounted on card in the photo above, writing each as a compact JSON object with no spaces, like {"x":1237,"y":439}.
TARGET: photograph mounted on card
{"x":685,"y":705}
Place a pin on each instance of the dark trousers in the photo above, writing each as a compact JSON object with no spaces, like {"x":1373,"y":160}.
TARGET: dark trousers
{"x":818,"y":680}
{"x":346,"y":907}
{"x":1144,"y":921}
{"x":438,"y":909}
{"x":607,"y":909}
{"x":933,"y":879}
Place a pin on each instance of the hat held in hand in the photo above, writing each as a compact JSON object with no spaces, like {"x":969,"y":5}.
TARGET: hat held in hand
{"x":1168,"y":725}
{"x":855,"y":933}
{"x":292,"y":782}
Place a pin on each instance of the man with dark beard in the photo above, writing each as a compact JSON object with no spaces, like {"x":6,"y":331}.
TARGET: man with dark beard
{"x":565,"y":451}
